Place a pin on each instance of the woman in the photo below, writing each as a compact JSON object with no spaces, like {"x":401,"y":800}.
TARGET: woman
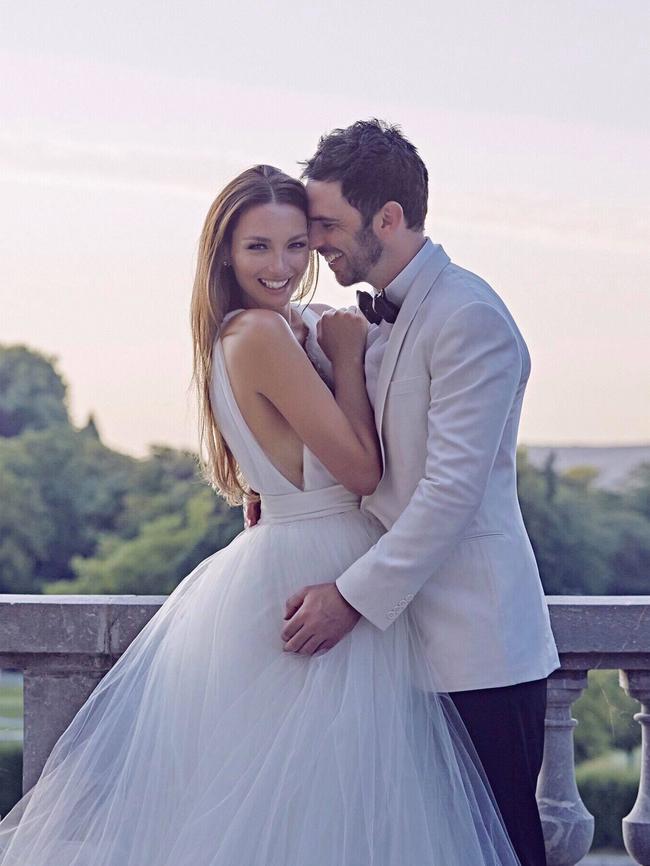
{"x":207,"y":744}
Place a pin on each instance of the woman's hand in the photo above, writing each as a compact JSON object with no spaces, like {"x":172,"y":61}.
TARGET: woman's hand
{"x":252,"y":510}
{"x":342,"y":335}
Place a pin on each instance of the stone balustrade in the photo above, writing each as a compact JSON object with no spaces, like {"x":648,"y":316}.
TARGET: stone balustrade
{"x":65,"y":644}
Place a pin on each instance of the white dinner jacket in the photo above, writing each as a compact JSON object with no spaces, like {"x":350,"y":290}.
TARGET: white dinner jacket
{"x":449,"y":396}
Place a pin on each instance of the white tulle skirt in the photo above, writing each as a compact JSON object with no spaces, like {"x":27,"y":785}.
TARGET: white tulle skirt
{"x":207,"y":745}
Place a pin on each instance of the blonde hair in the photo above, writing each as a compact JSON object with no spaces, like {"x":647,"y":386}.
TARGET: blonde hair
{"x":216,"y":293}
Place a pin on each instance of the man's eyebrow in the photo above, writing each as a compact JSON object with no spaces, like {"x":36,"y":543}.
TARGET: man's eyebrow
{"x":322,"y":219}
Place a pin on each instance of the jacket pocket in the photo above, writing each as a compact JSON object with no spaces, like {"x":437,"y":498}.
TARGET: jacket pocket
{"x":405,"y":386}
{"x":486,"y":534}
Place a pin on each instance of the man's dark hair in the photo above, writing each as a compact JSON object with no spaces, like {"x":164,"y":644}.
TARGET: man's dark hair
{"x":375,"y":163}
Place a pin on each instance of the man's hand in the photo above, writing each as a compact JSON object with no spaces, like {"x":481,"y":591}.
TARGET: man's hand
{"x":318,"y":617}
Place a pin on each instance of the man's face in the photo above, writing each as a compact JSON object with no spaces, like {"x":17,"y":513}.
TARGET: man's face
{"x":337,"y":232}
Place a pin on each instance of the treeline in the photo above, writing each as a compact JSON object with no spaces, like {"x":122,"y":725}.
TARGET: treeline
{"x":76,"y":516}
{"x":587,"y":540}
{"x":79,"y":517}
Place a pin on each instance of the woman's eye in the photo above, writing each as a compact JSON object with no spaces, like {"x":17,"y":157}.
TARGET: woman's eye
{"x":257,"y":247}
{"x":298,"y":245}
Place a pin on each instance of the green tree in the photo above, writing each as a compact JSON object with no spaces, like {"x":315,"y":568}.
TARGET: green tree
{"x":630,"y":557}
{"x":582,"y":477}
{"x":550,"y":476}
{"x":164,"y":550}
{"x":637,"y":490}
{"x":159,"y":485}
{"x":568,"y":529}
{"x":27,"y":531}
{"x":32,"y":392}
{"x":605,"y":716}
{"x":73,"y":488}
{"x":91,"y":427}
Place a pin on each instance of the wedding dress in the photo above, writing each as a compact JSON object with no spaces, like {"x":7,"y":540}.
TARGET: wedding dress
{"x":208,"y":745}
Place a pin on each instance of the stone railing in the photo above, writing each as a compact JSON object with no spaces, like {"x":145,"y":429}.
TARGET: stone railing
{"x":608,"y":633}
{"x":65,"y":644}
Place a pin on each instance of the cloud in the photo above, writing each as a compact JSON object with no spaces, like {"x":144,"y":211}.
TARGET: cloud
{"x":86,"y":164}
{"x":554,"y":221}
{"x":195,"y":174}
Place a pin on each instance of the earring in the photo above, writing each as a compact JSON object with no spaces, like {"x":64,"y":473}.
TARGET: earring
{"x":226,"y":264}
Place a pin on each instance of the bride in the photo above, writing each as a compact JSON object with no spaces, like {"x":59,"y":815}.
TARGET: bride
{"x":207,"y":744}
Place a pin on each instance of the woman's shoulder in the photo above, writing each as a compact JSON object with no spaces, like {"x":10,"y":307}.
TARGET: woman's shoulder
{"x":252,"y":330}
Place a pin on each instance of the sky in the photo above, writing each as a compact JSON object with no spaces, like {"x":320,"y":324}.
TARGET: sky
{"x":121,"y":121}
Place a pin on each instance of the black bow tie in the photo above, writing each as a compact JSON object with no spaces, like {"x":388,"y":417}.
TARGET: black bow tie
{"x":377,"y":307}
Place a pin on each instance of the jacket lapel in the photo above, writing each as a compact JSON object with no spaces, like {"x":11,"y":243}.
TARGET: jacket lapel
{"x":422,"y":285}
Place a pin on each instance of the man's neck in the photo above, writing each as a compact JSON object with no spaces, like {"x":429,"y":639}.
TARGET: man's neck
{"x":393,"y":263}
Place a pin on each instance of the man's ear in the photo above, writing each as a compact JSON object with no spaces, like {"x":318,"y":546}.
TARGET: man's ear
{"x":388,"y":218}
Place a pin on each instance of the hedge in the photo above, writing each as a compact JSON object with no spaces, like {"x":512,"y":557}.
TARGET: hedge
{"x":11,"y":774}
{"x":609,"y":794}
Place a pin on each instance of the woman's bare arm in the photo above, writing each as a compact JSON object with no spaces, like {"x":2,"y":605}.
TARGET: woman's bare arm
{"x":339,"y":430}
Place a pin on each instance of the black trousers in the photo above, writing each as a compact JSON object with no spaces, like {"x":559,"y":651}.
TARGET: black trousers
{"x":506,"y":726}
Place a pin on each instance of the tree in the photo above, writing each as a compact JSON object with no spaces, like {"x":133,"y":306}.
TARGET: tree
{"x":74,"y":487}
{"x":637,"y":490}
{"x":27,"y":531}
{"x":32,"y":392}
{"x":605,"y":717}
{"x":630,"y":559}
{"x":164,"y":550}
{"x":550,"y":476}
{"x":582,"y":477}
{"x":568,"y":530}
{"x":159,"y":485}
{"x":91,"y":427}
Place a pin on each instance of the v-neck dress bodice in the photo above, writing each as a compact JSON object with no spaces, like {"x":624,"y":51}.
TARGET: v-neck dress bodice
{"x":281,"y":498}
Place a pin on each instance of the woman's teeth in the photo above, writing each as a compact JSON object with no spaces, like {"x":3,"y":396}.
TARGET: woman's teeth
{"x":274,"y":284}
{"x":330,"y":258}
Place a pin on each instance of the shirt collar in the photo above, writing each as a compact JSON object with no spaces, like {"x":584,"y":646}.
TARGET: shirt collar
{"x":398,"y":288}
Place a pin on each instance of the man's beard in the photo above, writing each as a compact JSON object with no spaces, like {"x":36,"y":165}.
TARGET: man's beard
{"x":364,"y":259}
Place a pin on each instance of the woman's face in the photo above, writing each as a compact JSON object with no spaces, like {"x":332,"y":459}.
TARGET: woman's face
{"x":269,"y":254}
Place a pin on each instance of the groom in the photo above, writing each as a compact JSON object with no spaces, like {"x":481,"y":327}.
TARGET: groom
{"x":446,"y":370}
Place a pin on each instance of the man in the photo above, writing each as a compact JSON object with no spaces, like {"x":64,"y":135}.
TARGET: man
{"x":446,"y":370}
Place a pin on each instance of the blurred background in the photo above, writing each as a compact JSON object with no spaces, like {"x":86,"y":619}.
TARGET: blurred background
{"x":120,"y":123}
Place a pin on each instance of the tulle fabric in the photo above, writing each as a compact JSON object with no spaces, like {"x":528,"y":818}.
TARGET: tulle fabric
{"x":208,"y":745}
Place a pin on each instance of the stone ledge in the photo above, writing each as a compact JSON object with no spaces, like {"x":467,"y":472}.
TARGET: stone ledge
{"x":607,"y":632}
{"x":73,"y":624}
{"x":591,"y":631}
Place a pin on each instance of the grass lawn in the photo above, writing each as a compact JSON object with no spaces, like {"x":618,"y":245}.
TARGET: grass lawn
{"x":11,"y":701}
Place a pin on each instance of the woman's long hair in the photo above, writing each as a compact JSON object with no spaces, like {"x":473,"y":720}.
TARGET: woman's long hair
{"x":216,"y":293}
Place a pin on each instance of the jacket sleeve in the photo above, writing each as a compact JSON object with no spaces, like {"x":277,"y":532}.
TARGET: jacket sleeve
{"x":475,"y":368}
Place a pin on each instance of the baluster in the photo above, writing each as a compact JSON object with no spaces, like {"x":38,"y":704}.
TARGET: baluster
{"x":54,"y":688}
{"x":636,"y":826}
{"x":568,"y":826}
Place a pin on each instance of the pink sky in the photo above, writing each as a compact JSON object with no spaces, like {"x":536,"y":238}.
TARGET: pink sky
{"x":119,"y":129}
